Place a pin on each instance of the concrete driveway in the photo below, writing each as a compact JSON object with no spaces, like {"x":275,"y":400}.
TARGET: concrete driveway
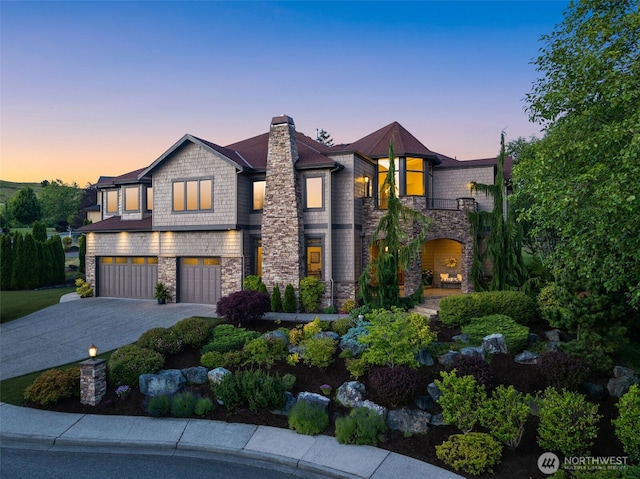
{"x":62,"y":333}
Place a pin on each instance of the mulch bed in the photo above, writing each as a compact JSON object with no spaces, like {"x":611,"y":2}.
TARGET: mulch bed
{"x":521,"y":463}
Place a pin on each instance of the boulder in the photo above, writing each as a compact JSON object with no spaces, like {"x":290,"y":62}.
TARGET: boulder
{"x":553,"y":335}
{"x":434,"y":391}
{"x":195,"y":375}
{"x":438,"y":420}
{"x":279,"y":335}
{"x":461,"y":338}
{"x":327,"y":334}
{"x":447,"y":359}
{"x":622,"y":380}
{"x":380,"y":410}
{"x":494,"y":344}
{"x":164,"y":383}
{"x":408,"y":420}
{"x":353,"y":346}
{"x":288,"y":404}
{"x":533,"y":338}
{"x":216,"y":375}
{"x":424,"y":357}
{"x":593,"y":391}
{"x":315,"y":398}
{"x":527,"y":357}
{"x":473,"y":351}
{"x":350,"y":394}
{"x":424,"y":402}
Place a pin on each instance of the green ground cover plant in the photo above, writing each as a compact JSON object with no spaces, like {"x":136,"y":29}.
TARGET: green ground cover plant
{"x":361,"y":426}
{"x":308,"y":418}
{"x":516,"y":335}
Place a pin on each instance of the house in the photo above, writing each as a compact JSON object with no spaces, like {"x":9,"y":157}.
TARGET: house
{"x":281,"y":205}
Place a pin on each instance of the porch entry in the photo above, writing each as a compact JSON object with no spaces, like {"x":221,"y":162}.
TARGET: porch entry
{"x":127,"y":276}
{"x":199,"y":280}
{"x":442,"y":261}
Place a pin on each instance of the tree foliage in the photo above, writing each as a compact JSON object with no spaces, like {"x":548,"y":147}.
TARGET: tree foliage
{"x":324,"y":137}
{"x":581,"y":179}
{"x":24,"y":206}
{"x":60,"y":202}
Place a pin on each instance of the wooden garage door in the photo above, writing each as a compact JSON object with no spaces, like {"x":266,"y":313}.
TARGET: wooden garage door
{"x":199,"y":280}
{"x":127,"y":276}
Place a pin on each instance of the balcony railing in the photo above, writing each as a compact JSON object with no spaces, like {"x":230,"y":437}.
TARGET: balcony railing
{"x":441,"y":204}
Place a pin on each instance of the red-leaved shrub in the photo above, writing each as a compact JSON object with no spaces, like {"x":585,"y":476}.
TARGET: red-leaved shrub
{"x":244,"y":307}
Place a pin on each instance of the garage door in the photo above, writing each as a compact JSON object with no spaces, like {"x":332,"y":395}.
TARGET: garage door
{"x":199,"y":280}
{"x":127,"y":276}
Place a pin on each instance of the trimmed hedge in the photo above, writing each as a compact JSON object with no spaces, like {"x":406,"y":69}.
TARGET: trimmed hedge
{"x":516,"y":335}
{"x":126,"y":364}
{"x":459,"y":310}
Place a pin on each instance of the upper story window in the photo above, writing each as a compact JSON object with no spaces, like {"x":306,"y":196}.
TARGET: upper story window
{"x":258,"y":194}
{"x":383,"y":190}
{"x":414,"y":179}
{"x":193,"y":195}
{"x":409,"y":178}
{"x":131,"y":198}
{"x":313,"y":192}
{"x":149,"y":198}
{"x":112,"y":202}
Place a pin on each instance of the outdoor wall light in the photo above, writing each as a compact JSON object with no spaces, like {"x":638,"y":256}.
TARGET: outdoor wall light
{"x":93,"y":351}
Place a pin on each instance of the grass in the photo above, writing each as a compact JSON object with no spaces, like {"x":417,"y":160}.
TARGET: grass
{"x":16,"y":304}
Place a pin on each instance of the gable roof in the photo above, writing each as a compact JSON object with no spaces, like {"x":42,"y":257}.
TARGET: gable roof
{"x":115,"y":224}
{"x":376,"y":144}
{"x":131,"y":177}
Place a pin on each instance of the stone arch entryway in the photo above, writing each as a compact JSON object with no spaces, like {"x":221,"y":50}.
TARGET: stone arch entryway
{"x":446,"y":260}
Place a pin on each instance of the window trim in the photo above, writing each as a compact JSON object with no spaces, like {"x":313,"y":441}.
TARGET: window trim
{"x":321,"y":240}
{"x":126,"y":189}
{"x":253,"y":183}
{"x":107,"y":194}
{"x":306,"y":193}
{"x":185,"y":182}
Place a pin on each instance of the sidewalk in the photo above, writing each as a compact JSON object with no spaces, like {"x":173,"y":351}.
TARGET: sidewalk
{"x":35,"y":428}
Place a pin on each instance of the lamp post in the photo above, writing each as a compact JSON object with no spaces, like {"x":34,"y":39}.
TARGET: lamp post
{"x":93,"y":378}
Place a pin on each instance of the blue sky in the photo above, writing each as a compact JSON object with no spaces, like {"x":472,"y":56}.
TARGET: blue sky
{"x":102,"y":88}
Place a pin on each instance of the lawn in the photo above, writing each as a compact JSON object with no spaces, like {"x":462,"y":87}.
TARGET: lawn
{"x":16,"y":304}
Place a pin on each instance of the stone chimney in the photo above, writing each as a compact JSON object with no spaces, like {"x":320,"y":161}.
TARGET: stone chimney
{"x":282,"y":224}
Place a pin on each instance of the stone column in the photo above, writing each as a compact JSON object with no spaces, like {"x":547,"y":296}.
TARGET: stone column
{"x":282,"y":222}
{"x":93,"y":381}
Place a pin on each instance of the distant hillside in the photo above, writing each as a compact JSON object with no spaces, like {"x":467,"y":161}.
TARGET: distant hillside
{"x":9,"y":188}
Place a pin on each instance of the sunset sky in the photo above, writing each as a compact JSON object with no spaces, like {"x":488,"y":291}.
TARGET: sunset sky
{"x":103,"y":88}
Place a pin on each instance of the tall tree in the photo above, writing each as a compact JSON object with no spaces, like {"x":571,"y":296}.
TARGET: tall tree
{"x":39,"y":231}
{"x":582,"y":177}
{"x":6,"y":262}
{"x":379,"y":281}
{"x":60,"y":202}
{"x":324,"y":137}
{"x":24,"y":206}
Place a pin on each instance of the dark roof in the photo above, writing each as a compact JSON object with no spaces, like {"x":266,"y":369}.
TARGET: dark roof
{"x":130,"y":177}
{"x":376,"y":144}
{"x":116,"y":224}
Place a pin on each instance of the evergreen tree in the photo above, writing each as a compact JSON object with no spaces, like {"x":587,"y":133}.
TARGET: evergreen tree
{"x":290,"y":303}
{"x":24,"y":206}
{"x":276,"y":299}
{"x":324,"y":137}
{"x":39,"y":231}
{"x":59,"y":259}
{"x":31,"y":265}
{"x":6,"y":262}
{"x":378,"y":283}
{"x":18,"y":262}
{"x":82,"y":253}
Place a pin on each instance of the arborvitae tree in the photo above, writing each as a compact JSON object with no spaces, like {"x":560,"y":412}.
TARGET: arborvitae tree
{"x":6,"y":262}
{"x":262,"y":288}
{"x":82,"y":252}
{"x":46,"y":264}
{"x":276,"y":299}
{"x":504,"y":244}
{"x":379,"y":281}
{"x":290,"y":304}
{"x":58,"y":259}
{"x":18,"y":261}
{"x":31,"y":267}
{"x":39,"y":231}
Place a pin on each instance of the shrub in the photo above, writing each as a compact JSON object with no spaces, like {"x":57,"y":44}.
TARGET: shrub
{"x":356,"y":367}
{"x":203,"y":406}
{"x":289,"y":380}
{"x":243,"y":307}
{"x":252,"y":388}
{"x":560,"y":370}
{"x":342,"y":325}
{"x":461,"y":400}
{"x":458,"y":310}
{"x":162,"y":340}
{"x":394,"y":386}
{"x":549,"y":304}
{"x":474,"y":453}
{"x":308,"y":418}
{"x":83,"y":288}
{"x":193,"y":332}
{"x":251,"y":283}
{"x":127,"y":363}
{"x":290,"y":304}
{"x":505,"y":414}
{"x":476,"y":366}
{"x":183,"y":404}
{"x":276,"y":299}
{"x":296,"y":335}
{"x":265,"y":351}
{"x":361,"y":426}
{"x":627,"y":425}
{"x":568,"y":424}
{"x":212,"y":359}
{"x":312,"y":328}
{"x":53,"y":385}
{"x":515,"y":335}
{"x":348,"y":305}
{"x":318,"y":352}
{"x":394,"y":337}
{"x":159,"y":406}
{"x":311,"y":290}
{"x":227,"y":337}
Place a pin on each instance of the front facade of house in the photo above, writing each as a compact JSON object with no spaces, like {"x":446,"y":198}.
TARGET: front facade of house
{"x":279,"y":205}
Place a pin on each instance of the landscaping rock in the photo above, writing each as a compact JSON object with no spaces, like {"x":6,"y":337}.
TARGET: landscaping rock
{"x":424,"y":402}
{"x":279,"y":335}
{"x":593,"y":391}
{"x":533,"y":338}
{"x":473,"y":351}
{"x":424,"y":357}
{"x":438,"y":420}
{"x":408,"y":420}
{"x":553,"y":335}
{"x":195,"y":375}
{"x":216,"y":375}
{"x":164,"y":383}
{"x":527,"y":357}
{"x":434,"y":392}
{"x":553,"y":346}
{"x":461,"y":338}
{"x":380,"y":410}
{"x":296,"y":348}
{"x":353,"y":346}
{"x":350,"y":394}
{"x":315,"y":398}
{"x":327,"y":334}
{"x":447,"y":359}
{"x":623,"y":379}
{"x":494,"y":344}
{"x":289,"y":402}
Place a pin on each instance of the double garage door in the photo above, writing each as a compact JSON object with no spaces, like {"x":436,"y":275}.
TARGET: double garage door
{"x":199,"y":279}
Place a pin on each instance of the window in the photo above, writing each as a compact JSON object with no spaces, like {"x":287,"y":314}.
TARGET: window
{"x":383,"y":171}
{"x":193,"y":195}
{"x":112,"y":201}
{"x":314,"y":257}
{"x":258,"y":194}
{"x":149,"y":198}
{"x":313,"y":192}
{"x":131,"y":199}
{"x":414,"y":177}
